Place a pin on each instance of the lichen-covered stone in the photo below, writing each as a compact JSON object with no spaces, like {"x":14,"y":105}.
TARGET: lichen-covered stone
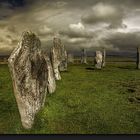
{"x":29,"y":70}
{"x":70,"y":58}
{"x":98,"y":60}
{"x":104,"y":58}
{"x":64,"y":64}
{"x":138,"y":58}
{"x":84,"y":56}
{"x":58,"y":58}
{"x":51,"y":78}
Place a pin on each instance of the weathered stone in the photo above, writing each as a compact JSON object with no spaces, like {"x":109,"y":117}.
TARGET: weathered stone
{"x":51,"y":78}
{"x":70,"y":58}
{"x":104,"y":58}
{"x":84,"y":56}
{"x":63,"y":65}
{"x":58,"y":58}
{"x":98,"y":60}
{"x":30,"y":71}
{"x":138,"y":58}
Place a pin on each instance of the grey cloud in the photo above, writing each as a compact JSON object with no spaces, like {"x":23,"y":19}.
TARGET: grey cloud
{"x":125,"y":41}
{"x":48,"y":17}
{"x":104,"y":13}
{"x":76,"y":34}
{"x":1,"y":40}
{"x":117,"y":25}
{"x":11,"y":29}
{"x":5,"y":11}
{"x":45,"y":31}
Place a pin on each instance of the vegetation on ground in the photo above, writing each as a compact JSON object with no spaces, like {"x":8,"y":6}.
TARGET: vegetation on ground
{"x":86,"y":101}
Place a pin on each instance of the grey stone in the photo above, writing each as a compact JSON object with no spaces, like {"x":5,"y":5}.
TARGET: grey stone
{"x":84,"y":56}
{"x":51,"y":78}
{"x":70,"y":58}
{"x":138,"y":58}
{"x":104,"y":58}
{"x":58,"y":58}
{"x":30,"y":75}
{"x":98,"y":60}
{"x":64,"y":64}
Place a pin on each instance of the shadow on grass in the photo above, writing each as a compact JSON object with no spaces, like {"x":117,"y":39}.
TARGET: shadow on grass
{"x":90,"y":68}
{"x":127,"y":68}
{"x":65,"y":71}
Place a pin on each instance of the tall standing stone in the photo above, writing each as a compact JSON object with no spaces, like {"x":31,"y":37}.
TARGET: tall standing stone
{"x":98,"y":60}
{"x":64,"y":58}
{"x":58,"y":58}
{"x":51,"y":78}
{"x":84,"y":56}
{"x":70,"y":58}
{"x":104,"y":58}
{"x":29,"y":71}
{"x":138,"y":58}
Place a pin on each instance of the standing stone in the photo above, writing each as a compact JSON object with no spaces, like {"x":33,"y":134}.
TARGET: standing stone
{"x":29,"y":71}
{"x":104,"y":58}
{"x":70,"y":58}
{"x":98,"y":60}
{"x":84,"y":56}
{"x":51,"y":78}
{"x":138,"y":58}
{"x":63,"y":64}
{"x":58,"y":58}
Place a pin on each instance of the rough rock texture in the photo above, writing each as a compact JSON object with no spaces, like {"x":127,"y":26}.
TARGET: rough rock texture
{"x":51,"y":78}
{"x":98,"y":60}
{"x":104,"y":58}
{"x":84,"y":56}
{"x":64,"y":58}
{"x":70,"y":58}
{"x":29,"y":70}
{"x":138,"y":58}
{"x":58,"y":58}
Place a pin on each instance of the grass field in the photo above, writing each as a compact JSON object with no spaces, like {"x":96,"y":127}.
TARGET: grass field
{"x":86,"y":101}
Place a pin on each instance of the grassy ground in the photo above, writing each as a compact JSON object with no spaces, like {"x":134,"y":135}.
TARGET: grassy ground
{"x":86,"y":101}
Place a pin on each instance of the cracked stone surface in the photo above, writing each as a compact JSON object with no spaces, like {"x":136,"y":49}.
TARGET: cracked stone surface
{"x":63,"y":65}
{"x":138,"y":58}
{"x":30,"y":71}
{"x":70,"y":58}
{"x":58,"y":58}
{"x":98,"y":60}
{"x":84,"y":56}
{"x":104,"y":58}
{"x":51,"y":78}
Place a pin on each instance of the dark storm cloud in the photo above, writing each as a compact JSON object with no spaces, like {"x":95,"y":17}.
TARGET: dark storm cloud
{"x":105,"y":14}
{"x":76,"y":34}
{"x":16,"y":3}
{"x":5,"y":9}
{"x":113,"y":24}
{"x":9,"y":7}
{"x":12,"y":3}
{"x":125,"y":41}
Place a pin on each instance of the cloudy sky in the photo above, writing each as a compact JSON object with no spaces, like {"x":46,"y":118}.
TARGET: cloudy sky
{"x":91,"y":24}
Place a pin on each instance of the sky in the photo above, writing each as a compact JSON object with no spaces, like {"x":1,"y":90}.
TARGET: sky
{"x":91,"y":24}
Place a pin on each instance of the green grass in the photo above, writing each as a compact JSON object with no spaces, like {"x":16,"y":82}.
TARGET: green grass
{"x":86,"y":102}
